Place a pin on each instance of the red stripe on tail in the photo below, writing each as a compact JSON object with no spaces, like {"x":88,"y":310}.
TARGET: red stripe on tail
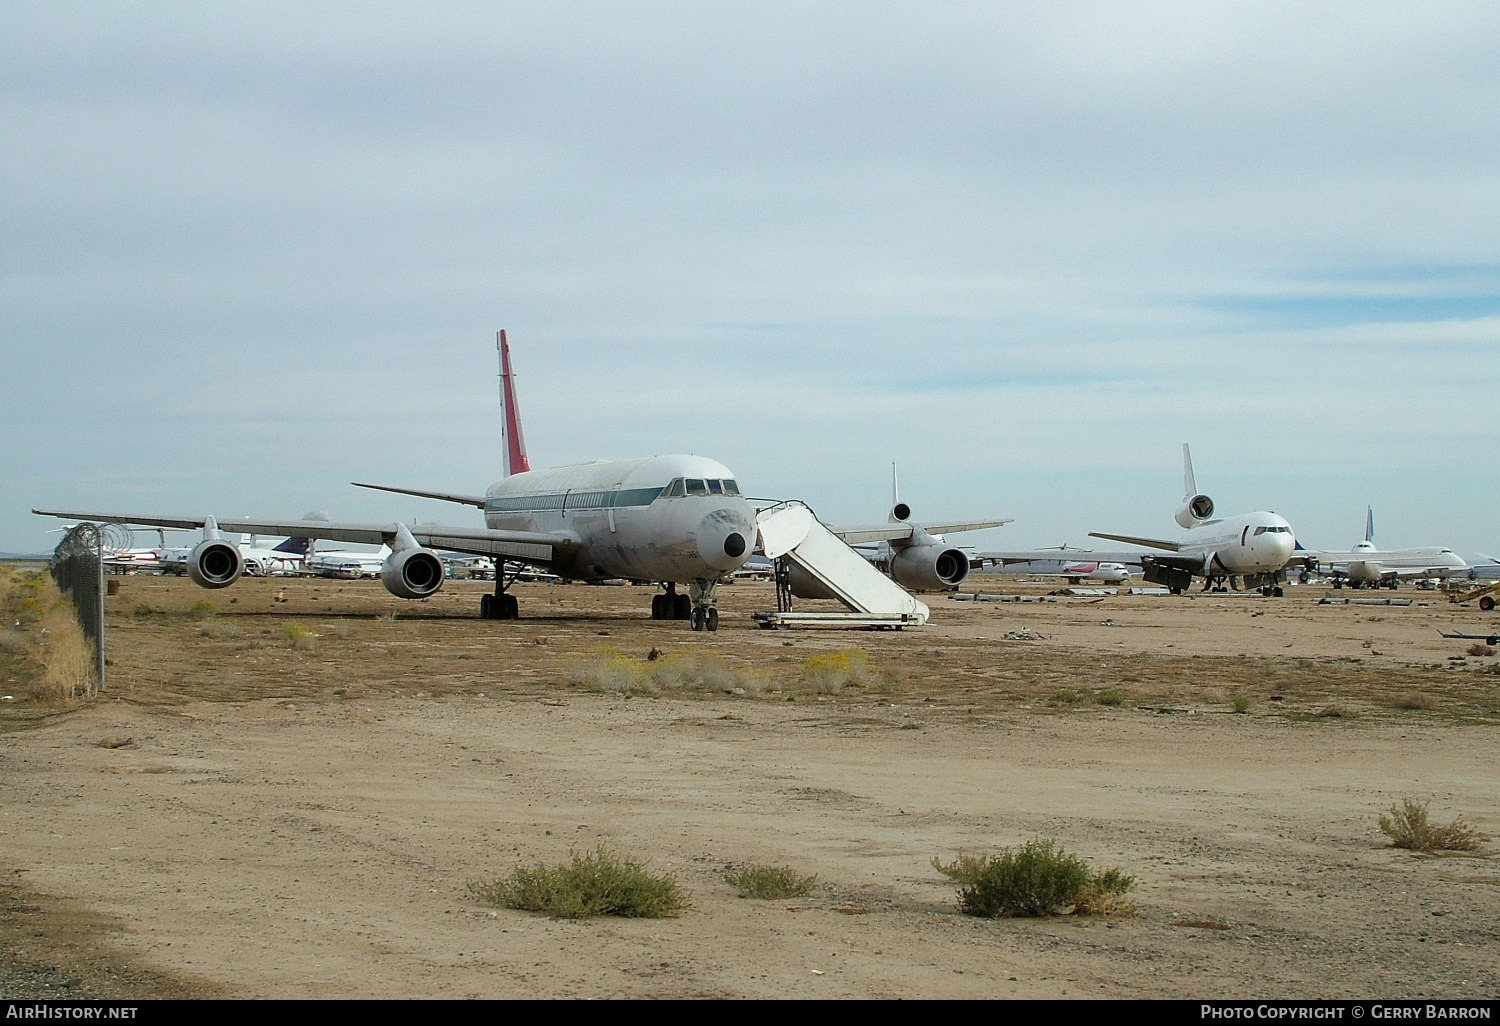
{"x":515,"y":445}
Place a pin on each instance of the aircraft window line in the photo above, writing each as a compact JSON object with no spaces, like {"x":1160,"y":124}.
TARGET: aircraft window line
{"x":697,"y":486}
{"x":609,"y":499}
{"x":715,"y":487}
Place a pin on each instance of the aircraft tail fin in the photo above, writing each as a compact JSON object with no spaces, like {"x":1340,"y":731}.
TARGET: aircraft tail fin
{"x":1370,"y":524}
{"x":1190,"y":486}
{"x":516,"y":461}
{"x":295,"y":546}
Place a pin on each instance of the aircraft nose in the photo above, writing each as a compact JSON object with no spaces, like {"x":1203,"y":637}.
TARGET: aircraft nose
{"x":724,"y":538}
{"x":1284,"y":546}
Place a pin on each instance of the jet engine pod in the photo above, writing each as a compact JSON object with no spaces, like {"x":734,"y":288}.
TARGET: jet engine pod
{"x":412,"y":573}
{"x":1195,"y":510}
{"x":900,"y":513}
{"x":215,"y":564}
{"x":929,"y":567}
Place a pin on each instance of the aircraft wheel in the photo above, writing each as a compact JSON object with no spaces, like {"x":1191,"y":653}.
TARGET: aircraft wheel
{"x":487,"y":607}
{"x":1487,"y":603}
{"x":656,"y":604}
{"x":510,"y":609}
{"x":711,"y":619}
{"x":698,"y":619}
{"x":682,"y":607}
{"x":1175,"y":591}
{"x":1278,"y":592}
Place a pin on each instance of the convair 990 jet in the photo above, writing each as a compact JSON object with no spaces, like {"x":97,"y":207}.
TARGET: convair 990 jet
{"x":676,"y":520}
{"x":1253,"y":548}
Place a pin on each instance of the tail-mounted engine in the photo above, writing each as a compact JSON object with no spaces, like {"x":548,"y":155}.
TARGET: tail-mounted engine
{"x":1195,"y":510}
{"x":410,"y":571}
{"x":933,"y":567}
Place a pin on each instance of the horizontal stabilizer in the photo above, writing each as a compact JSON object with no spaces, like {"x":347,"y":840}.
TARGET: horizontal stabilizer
{"x":467,"y":500}
{"x":1150,"y":543}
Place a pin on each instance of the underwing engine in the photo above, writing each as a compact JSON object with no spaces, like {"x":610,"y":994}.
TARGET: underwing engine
{"x":410,"y":571}
{"x":933,"y":567}
{"x":214,"y":563}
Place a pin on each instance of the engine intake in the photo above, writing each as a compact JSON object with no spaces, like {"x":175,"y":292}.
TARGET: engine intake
{"x":412,"y":573}
{"x":1195,"y":510}
{"x":929,"y":567}
{"x":215,"y":564}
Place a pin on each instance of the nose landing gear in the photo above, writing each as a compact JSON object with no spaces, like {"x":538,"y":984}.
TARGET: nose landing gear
{"x":697,"y":607}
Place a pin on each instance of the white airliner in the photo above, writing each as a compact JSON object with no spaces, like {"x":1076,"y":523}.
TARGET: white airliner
{"x":1365,"y":566}
{"x":1253,"y":548}
{"x":670,"y":519}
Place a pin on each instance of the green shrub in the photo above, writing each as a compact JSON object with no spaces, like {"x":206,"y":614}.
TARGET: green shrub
{"x":203,"y":610}
{"x":764,"y":881}
{"x":1109,"y":696}
{"x":599,"y":883}
{"x":1036,"y":879}
{"x":1240,"y":702}
{"x":1408,"y":827}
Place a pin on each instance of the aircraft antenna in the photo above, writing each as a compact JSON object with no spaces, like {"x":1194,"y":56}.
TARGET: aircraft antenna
{"x":515,"y":445}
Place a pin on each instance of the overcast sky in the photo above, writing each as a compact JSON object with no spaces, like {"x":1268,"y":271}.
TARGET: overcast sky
{"x":252,"y":252}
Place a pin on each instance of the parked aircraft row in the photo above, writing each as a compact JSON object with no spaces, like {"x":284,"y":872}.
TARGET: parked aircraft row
{"x":683,"y":520}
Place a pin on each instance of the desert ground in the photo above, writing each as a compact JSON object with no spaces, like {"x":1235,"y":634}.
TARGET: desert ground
{"x":288,"y":793}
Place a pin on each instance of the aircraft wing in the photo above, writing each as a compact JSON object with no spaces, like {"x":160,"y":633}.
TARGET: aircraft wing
{"x":1059,"y":556}
{"x":873,"y":533}
{"x":901,"y":530}
{"x":1150,"y":543}
{"x":523,"y":546}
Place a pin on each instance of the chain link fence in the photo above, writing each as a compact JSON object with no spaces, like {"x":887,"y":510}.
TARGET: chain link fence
{"x":78,"y":569}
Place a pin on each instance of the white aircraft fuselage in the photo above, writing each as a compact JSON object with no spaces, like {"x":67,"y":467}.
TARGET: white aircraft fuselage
{"x":667,"y":518}
{"x":1255,"y":543}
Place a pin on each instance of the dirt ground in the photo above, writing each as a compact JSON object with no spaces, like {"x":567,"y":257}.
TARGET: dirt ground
{"x":287,"y":796}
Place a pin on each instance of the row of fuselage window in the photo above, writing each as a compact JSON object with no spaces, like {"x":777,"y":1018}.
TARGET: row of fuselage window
{"x":613,"y":498}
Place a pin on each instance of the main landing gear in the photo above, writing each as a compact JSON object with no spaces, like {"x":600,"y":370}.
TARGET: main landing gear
{"x":697,"y":608}
{"x":502,"y":605}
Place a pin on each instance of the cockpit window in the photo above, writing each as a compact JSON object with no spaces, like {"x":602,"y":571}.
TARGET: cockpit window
{"x":1273,"y":530}
{"x":697,"y":486}
{"x":730,"y":488}
{"x":715,"y":487}
{"x":675,"y":488}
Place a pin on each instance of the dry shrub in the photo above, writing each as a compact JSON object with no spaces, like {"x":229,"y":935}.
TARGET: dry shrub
{"x":611,"y":671}
{"x":1416,"y":700}
{"x":219,"y":629}
{"x":1479,"y":648}
{"x":67,"y":657}
{"x":299,"y":637}
{"x":769,"y":882}
{"x":1036,"y":879}
{"x":1408,"y":826}
{"x":831,"y":672}
{"x":599,"y":883}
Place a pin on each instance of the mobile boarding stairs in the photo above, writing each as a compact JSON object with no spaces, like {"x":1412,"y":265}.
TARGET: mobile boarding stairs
{"x":792,"y":537}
